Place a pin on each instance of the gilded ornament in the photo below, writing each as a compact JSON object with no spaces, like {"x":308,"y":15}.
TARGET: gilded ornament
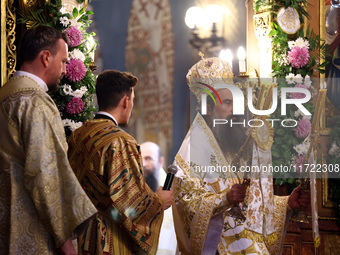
{"x":263,"y":135}
{"x":262,"y":25}
{"x":8,"y":48}
{"x":288,"y":20}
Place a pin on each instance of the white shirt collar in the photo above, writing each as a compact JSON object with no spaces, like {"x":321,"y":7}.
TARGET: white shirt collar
{"x":38,"y":80}
{"x":109,"y":115}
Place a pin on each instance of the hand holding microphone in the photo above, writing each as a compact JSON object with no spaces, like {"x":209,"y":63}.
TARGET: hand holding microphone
{"x":172,"y":170}
{"x":167,"y":195}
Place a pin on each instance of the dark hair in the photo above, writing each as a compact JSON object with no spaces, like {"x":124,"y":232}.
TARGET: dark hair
{"x":112,"y":86}
{"x":37,"y":39}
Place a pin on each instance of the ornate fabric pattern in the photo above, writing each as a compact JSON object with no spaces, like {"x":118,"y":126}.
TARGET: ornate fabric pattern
{"x":108,"y":163}
{"x":201,"y":207}
{"x":41,"y":201}
{"x":260,"y":200}
{"x":149,"y":54}
{"x":209,"y":71}
{"x":281,"y":219}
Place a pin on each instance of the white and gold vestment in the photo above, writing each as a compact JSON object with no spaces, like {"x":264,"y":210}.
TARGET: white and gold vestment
{"x":201,"y":207}
{"x":41,"y":201}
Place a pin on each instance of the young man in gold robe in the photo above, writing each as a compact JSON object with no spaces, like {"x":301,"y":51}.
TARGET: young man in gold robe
{"x":107,"y":161}
{"x":209,"y":186}
{"x":42,"y":204}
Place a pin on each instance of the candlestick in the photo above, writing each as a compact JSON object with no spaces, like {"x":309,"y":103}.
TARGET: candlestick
{"x":241,"y":54}
{"x":260,"y":97}
{"x":269,"y":96}
{"x":320,"y":102}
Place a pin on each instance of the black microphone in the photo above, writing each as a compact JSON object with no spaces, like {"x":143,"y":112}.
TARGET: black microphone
{"x":172,"y":170}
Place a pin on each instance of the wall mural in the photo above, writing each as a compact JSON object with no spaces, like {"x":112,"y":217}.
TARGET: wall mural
{"x":149,"y":54}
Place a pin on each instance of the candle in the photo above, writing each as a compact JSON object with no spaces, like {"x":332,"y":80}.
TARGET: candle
{"x":92,"y":55}
{"x":241,"y":54}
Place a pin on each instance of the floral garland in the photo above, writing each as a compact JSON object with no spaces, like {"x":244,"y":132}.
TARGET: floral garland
{"x":294,"y":59}
{"x":74,"y":97}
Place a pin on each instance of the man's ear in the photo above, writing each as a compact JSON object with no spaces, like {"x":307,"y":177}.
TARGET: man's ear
{"x":45,"y":57}
{"x":125,"y":101}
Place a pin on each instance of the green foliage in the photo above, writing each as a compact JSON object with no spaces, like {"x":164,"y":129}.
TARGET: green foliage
{"x":261,"y":4}
{"x":33,"y":17}
{"x":283,"y":152}
{"x":52,"y":15}
{"x":276,"y":5}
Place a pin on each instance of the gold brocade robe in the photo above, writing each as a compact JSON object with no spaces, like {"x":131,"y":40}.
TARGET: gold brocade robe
{"x":41,"y":201}
{"x":202,"y":223}
{"x":107,"y":162}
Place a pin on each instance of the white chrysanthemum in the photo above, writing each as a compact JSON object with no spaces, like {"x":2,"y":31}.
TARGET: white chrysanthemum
{"x":300,"y":42}
{"x":67,"y":89}
{"x":290,"y":78}
{"x":308,"y":81}
{"x":299,"y":113}
{"x":291,"y":44}
{"x":63,"y":10}
{"x":77,"y":54}
{"x":74,"y":125}
{"x":283,"y":60}
{"x":67,"y":122}
{"x":302,"y":148}
{"x":298,"y":79}
{"x":78,"y":93}
{"x":334,"y":150}
{"x":75,"y":23}
{"x":83,"y":88}
{"x":64,"y":21}
{"x":78,"y":124}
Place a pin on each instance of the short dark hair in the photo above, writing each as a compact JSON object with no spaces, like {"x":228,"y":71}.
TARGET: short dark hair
{"x":39,"y":38}
{"x":112,"y":86}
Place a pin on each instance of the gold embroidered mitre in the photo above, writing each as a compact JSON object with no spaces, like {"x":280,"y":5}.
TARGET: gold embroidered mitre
{"x":209,"y":71}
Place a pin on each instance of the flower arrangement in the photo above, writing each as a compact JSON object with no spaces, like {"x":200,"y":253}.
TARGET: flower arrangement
{"x":295,"y":58}
{"x":74,"y":97}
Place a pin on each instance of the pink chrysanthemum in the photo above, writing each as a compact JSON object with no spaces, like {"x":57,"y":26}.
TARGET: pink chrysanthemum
{"x":298,"y":57}
{"x":298,"y":95}
{"x":74,"y":34}
{"x":299,"y":163}
{"x":75,"y":105}
{"x":303,"y":128}
{"x":75,"y":70}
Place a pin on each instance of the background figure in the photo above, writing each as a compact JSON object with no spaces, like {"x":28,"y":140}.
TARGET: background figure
{"x":42,"y":203}
{"x":153,"y":165}
{"x":108,"y":164}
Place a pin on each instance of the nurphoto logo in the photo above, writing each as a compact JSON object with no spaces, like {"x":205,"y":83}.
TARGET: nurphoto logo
{"x":238,"y":104}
